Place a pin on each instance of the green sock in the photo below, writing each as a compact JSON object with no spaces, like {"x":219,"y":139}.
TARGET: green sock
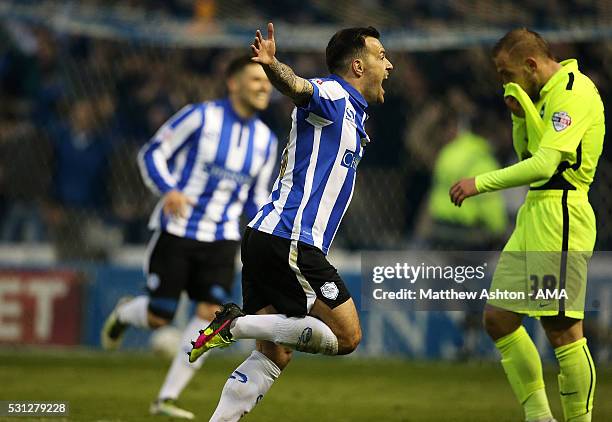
{"x":521,"y":362}
{"x":576,"y":380}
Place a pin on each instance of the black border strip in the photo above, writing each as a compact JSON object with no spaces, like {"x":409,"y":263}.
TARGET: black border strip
{"x":570,"y":83}
{"x":564,"y":249}
{"x":591,"y":371}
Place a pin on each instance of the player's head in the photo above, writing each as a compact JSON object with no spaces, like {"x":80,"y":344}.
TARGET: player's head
{"x":358,"y":56}
{"x":523,"y":56}
{"x":247,"y":84}
{"x":82,"y":115}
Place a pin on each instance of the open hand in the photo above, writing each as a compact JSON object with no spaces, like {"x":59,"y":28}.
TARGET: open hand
{"x":264,"y":50}
{"x":463,"y":189}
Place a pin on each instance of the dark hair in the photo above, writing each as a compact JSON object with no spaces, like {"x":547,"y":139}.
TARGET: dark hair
{"x":237,"y":64}
{"x":345,"y":45}
{"x":524,"y":41}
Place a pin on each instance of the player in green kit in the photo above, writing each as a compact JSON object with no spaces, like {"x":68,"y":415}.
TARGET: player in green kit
{"x":558,"y":132}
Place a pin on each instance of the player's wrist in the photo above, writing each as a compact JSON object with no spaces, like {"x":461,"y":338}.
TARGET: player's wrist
{"x":165,"y":188}
{"x":170,"y":191}
{"x":273,"y":62}
{"x":478,"y":183}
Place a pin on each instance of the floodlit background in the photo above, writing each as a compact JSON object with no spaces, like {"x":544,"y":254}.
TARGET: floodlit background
{"x":84,"y":84}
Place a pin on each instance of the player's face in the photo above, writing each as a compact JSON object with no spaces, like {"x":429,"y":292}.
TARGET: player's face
{"x":518,"y":71}
{"x":376,"y":69}
{"x":251,"y":87}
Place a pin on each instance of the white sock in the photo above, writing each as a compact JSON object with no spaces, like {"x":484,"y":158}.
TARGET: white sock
{"x":181,"y":371}
{"x":307,"y":334}
{"x":245,"y":387}
{"x":135,"y":312}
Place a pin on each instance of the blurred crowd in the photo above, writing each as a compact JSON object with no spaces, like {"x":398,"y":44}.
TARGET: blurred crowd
{"x":405,"y":14}
{"x":75,"y":111}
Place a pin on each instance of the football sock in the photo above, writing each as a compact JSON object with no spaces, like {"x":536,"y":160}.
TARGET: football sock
{"x":576,"y":380}
{"x":181,"y":371}
{"x":245,"y":387}
{"x":134,"y":312}
{"x":521,"y":362}
{"x":307,"y":334}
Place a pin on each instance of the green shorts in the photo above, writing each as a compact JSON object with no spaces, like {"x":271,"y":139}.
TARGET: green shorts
{"x":542,"y":270}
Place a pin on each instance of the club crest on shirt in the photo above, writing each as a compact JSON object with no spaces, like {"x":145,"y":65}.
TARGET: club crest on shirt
{"x":153,"y":281}
{"x":561,"y":120}
{"x":330,"y":290}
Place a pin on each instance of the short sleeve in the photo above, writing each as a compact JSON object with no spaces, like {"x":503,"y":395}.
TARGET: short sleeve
{"x":327,"y":99}
{"x":569,"y":119}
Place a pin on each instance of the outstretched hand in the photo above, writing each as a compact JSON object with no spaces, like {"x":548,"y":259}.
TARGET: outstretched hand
{"x":264,"y":49}
{"x":463,"y":189}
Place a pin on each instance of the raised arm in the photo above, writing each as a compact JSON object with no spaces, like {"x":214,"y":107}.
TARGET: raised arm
{"x":281,"y":76}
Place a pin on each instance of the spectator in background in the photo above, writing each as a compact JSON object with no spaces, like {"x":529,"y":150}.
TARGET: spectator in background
{"x":38,"y":69}
{"x":479,"y":227}
{"x":24,"y":179}
{"x":26,"y":66}
{"x":80,"y":202}
{"x":130,"y":199}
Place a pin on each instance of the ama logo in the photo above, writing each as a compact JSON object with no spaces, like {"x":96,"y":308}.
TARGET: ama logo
{"x":350,"y":160}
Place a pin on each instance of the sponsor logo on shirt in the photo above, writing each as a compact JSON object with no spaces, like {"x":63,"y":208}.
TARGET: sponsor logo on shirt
{"x":219,"y":172}
{"x":561,"y":120}
{"x":350,"y":160}
{"x":350,"y":115}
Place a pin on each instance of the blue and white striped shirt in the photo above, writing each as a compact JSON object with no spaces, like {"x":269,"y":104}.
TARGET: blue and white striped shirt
{"x":318,"y":168}
{"x":219,"y":160}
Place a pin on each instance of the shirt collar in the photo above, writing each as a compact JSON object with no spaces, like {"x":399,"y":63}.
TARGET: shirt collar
{"x":228,"y":106}
{"x":351,"y":90}
{"x":567,"y":66}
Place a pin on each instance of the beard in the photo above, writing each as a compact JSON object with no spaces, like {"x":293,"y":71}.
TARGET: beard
{"x":533,"y":90}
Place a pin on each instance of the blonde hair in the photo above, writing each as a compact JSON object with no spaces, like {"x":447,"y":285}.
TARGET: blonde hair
{"x":523,"y":42}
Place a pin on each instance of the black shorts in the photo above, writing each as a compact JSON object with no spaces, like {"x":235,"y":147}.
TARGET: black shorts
{"x":205,"y":270}
{"x":286,"y":274}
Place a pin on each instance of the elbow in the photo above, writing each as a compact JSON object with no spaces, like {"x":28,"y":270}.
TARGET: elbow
{"x":140,"y":158}
{"x":547,"y":161}
{"x":146,"y":152}
{"x":143,"y":156}
{"x":544,"y":167}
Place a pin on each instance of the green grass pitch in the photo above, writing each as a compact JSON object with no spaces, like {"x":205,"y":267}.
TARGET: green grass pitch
{"x":119,"y":387}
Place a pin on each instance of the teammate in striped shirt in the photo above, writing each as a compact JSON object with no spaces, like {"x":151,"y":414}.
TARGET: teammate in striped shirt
{"x":293,"y":297}
{"x":210,"y":163}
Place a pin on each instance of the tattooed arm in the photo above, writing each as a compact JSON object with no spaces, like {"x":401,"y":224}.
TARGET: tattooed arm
{"x":281,"y":76}
{"x":288,"y":83}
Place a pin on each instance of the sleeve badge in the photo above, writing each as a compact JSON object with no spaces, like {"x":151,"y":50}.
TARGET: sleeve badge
{"x":561,"y":120}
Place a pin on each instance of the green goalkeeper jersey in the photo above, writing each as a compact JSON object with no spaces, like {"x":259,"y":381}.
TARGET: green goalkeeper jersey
{"x":568,"y":119}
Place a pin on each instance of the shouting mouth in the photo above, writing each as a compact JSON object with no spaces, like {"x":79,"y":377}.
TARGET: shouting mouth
{"x":382,"y":82}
